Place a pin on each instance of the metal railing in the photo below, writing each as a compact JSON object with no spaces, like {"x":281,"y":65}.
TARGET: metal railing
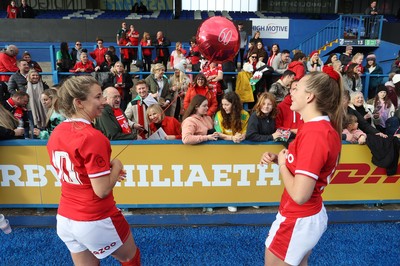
{"x":57,"y":74}
{"x":346,"y":27}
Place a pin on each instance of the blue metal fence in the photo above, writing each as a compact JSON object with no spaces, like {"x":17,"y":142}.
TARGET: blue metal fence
{"x":358,"y":29}
{"x":52,"y":49}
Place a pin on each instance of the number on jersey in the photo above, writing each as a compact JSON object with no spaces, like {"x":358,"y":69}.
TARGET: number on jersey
{"x":65,"y":168}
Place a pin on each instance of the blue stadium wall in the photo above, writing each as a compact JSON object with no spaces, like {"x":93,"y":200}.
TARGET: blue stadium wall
{"x":55,"y":30}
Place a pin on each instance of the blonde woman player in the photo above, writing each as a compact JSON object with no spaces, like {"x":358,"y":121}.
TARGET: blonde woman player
{"x":88,"y":221}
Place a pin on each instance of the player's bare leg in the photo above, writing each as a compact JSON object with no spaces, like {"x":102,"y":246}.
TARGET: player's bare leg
{"x":272,"y":260}
{"x":84,"y":258}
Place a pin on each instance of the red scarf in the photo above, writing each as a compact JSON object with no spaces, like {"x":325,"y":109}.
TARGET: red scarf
{"x":19,"y":111}
{"x":122,"y":121}
{"x":119,"y":80}
{"x":142,"y":134}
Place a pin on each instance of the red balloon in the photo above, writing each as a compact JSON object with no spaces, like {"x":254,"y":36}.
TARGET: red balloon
{"x":218,"y":39}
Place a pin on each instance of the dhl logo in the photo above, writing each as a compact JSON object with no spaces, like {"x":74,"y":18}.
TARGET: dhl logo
{"x":350,"y":173}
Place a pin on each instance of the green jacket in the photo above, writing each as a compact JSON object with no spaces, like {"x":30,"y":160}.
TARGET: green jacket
{"x":166,"y":93}
{"x":108,"y":124}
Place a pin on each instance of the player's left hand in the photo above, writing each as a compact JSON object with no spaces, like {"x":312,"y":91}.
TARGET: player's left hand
{"x":282,"y":156}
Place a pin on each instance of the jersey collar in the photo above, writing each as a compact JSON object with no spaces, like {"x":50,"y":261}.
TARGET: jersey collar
{"x":320,"y":118}
{"x":77,"y":120}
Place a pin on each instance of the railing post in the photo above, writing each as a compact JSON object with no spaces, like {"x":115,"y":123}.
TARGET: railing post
{"x":380,"y":27}
{"x":367,"y":77}
{"x":340,"y":31}
{"x":53,"y":61}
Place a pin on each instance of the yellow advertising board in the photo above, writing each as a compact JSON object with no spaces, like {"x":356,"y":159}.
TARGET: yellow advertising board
{"x":165,"y":173}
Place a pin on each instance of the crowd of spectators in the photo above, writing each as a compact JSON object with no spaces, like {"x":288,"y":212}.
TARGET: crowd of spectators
{"x":258,"y":68}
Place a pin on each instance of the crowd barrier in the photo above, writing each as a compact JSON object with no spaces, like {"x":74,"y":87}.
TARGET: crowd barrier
{"x":168,"y":174}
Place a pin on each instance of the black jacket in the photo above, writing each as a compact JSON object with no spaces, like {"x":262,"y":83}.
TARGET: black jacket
{"x":6,"y":133}
{"x":260,"y":129}
{"x":385,"y":152}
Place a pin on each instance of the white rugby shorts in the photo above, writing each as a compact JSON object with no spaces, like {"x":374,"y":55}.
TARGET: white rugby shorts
{"x":101,"y":237}
{"x":290,"y":239}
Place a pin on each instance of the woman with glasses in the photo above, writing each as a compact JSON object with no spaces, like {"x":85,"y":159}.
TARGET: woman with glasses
{"x":243,"y":87}
{"x":200,"y":86}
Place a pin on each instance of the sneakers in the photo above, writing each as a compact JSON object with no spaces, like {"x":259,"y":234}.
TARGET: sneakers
{"x":256,"y":207}
{"x":232,"y":209}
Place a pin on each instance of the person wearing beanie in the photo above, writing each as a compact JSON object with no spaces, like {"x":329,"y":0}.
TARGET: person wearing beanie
{"x":373,"y":68}
{"x":314,"y":63}
{"x":383,"y":108}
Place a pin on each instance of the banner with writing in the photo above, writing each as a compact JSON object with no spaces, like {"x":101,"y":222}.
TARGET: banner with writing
{"x":271,"y":28}
{"x":191,"y":175}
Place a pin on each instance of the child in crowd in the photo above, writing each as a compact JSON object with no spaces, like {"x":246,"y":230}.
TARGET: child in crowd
{"x":383,"y":108}
{"x":350,"y":129}
{"x":261,"y":125}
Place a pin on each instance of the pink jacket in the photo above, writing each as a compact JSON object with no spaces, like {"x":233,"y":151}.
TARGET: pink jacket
{"x":195,"y":128}
{"x":354,"y":135}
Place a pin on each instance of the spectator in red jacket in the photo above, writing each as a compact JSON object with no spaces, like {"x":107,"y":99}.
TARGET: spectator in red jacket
{"x":297,"y":65}
{"x":169,"y":124}
{"x":126,"y":56}
{"x":85,"y":65}
{"x":12,"y":10}
{"x":200,"y":86}
{"x":286,"y":118}
{"x":133,"y":37}
{"x":194,"y":55}
{"x":146,"y":52}
{"x":99,"y":52}
{"x":8,"y":61}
